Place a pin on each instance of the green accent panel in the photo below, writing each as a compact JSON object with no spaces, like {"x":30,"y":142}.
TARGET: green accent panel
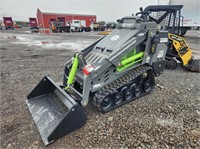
{"x":132,"y":53}
{"x":130,"y":59}
{"x":72,"y":72}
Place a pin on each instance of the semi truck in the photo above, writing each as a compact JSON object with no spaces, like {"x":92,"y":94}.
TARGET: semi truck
{"x":8,"y":22}
{"x":94,"y":26}
{"x":100,"y":26}
{"x":59,"y":26}
{"x":79,"y":26}
{"x":33,"y":25}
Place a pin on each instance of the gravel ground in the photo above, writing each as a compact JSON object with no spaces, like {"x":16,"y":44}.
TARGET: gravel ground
{"x":169,"y":117}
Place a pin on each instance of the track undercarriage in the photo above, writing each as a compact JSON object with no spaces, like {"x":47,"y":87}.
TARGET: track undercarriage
{"x":127,"y":88}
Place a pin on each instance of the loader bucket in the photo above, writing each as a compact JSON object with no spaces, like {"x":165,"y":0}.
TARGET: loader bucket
{"x":54,"y":112}
{"x":194,"y":65}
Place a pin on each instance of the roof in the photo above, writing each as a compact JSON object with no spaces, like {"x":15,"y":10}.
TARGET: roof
{"x":65,"y":12}
{"x":163,"y":8}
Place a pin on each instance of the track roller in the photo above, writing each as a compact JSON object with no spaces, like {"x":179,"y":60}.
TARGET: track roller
{"x":106,"y":103}
{"x":118,"y":97}
{"x":148,"y":85}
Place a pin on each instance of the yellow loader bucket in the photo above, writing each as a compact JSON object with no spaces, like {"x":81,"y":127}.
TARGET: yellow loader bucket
{"x":194,"y":65}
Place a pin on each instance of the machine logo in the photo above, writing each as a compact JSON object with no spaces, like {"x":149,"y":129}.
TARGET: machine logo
{"x":115,"y":37}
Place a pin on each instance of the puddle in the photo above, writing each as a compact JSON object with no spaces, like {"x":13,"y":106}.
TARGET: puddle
{"x":34,"y":41}
{"x":47,"y":31}
{"x":44,"y":42}
{"x":11,"y":37}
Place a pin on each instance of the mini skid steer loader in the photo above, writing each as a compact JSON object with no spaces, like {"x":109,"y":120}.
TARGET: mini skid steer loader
{"x":111,"y":72}
{"x":168,"y":17}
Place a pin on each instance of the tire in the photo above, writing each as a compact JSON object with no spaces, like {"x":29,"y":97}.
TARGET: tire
{"x":172,"y":64}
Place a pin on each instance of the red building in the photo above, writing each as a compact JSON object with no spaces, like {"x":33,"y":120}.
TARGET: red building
{"x":44,"y":18}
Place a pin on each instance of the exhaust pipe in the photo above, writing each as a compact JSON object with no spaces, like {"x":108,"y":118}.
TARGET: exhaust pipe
{"x":54,"y":112}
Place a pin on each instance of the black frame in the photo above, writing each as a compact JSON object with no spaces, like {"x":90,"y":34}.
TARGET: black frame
{"x":170,"y":10}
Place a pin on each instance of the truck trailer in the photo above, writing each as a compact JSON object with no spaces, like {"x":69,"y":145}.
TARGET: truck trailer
{"x":190,"y":14}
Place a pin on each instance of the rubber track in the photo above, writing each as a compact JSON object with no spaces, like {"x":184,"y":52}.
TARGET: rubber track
{"x":112,"y":87}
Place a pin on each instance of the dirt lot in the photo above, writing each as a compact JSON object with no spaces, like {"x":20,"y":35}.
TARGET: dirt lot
{"x":167,"y":118}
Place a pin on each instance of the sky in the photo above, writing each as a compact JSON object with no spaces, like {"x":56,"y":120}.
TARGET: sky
{"x":105,"y":10}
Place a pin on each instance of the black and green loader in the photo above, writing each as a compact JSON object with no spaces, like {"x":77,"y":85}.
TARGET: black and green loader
{"x":113,"y":71}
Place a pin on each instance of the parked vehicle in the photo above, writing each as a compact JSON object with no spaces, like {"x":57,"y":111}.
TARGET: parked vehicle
{"x":79,"y":26}
{"x":17,"y":26}
{"x":57,"y":26}
{"x":94,"y":26}
{"x":111,"y":25}
{"x":8,"y":22}
{"x":168,"y":19}
{"x":33,"y":23}
{"x":100,"y":26}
